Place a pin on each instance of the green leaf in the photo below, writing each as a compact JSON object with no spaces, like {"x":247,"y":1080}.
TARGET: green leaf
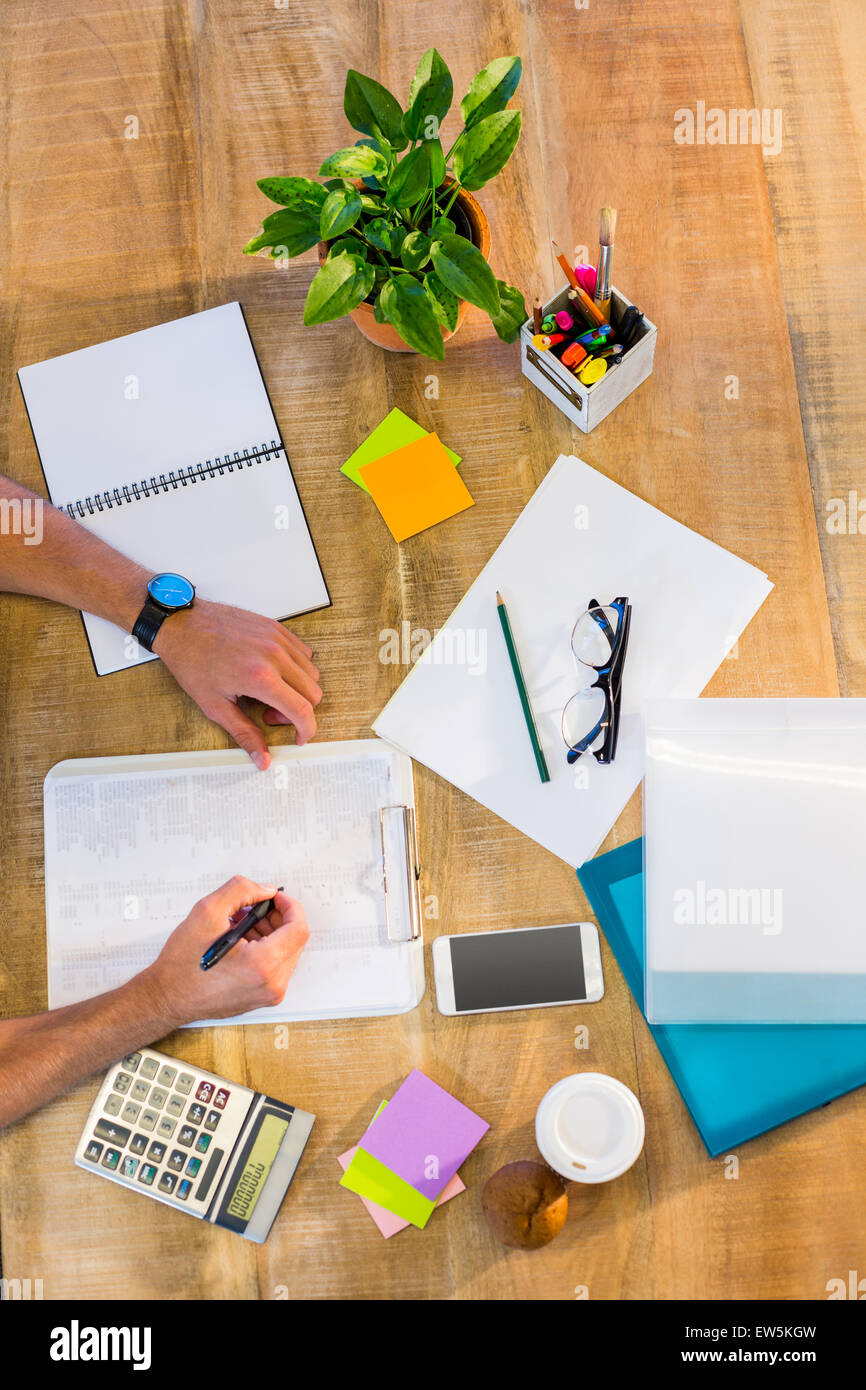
{"x":339,"y":285}
{"x":379,"y":233}
{"x":397,"y":237}
{"x":446,"y":305}
{"x":360,"y":161}
{"x":378,"y":311}
{"x":371,"y":204}
{"x":410,"y":180}
{"x":429,"y":95}
{"x":293,"y":192}
{"x":512,"y":312}
{"x":491,"y":90}
{"x":296,"y":229}
{"x":415,"y":250}
{"x":441,"y":227}
{"x":350,"y":244}
{"x":407,"y":306}
{"x":436,"y":160}
{"x":484,"y":149}
{"x":340,"y":211}
{"x":464,"y":271}
{"x":371,"y":108}
{"x":384,"y":149}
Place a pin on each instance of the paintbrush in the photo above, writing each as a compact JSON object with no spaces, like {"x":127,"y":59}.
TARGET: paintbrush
{"x":606,"y":229}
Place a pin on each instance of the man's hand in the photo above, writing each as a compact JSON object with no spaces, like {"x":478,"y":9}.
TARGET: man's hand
{"x":255,"y":972}
{"x":43,"y":1055}
{"x":220,"y":654}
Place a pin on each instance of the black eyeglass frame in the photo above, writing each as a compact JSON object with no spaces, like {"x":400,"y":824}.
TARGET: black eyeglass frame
{"x":608,"y":681}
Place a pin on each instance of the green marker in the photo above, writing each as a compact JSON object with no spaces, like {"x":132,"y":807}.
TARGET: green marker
{"x":521,"y":688}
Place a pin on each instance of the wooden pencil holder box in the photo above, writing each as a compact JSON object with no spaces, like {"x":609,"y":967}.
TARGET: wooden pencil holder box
{"x":586,"y":406}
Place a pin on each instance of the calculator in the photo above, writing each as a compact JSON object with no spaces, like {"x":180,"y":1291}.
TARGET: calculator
{"x":209,"y":1147}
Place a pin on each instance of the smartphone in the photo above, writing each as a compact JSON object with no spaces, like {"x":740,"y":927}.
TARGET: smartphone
{"x":485,"y":972}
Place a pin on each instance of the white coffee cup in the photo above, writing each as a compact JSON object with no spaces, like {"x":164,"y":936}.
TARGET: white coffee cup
{"x":590,"y":1127}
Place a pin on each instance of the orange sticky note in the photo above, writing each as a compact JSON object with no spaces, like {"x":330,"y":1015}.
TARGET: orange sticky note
{"x":416,"y":487}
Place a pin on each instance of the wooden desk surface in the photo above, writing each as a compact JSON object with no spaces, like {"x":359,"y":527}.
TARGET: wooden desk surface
{"x":749,"y":270}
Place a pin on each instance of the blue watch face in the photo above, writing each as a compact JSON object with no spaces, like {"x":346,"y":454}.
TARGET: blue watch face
{"x":171,"y":590}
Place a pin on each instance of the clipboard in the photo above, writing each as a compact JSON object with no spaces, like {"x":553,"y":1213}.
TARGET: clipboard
{"x":131,"y":843}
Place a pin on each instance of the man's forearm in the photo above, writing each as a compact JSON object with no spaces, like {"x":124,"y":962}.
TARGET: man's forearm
{"x":55,"y":1050}
{"x":68,"y":564}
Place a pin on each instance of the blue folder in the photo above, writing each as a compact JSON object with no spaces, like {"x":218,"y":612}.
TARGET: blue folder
{"x":737,"y":1079}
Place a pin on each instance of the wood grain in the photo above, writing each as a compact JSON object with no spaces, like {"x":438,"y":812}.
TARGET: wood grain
{"x":732,"y":255}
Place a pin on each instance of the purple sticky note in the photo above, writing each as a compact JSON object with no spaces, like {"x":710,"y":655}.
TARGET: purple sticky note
{"x":423,"y":1135}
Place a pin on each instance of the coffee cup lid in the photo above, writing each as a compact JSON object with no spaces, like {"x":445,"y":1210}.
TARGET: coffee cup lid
{"x":590,"y":1127}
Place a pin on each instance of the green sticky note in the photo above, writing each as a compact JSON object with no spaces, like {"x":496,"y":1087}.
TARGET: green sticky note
{"x":395,"y":430}
{"x":371,"y":1179}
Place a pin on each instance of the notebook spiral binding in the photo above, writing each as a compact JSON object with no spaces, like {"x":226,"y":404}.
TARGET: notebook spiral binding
{"x":176,"y":477}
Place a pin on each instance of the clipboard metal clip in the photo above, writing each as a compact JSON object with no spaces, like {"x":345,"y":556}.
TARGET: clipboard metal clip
{"x":403,"y":886}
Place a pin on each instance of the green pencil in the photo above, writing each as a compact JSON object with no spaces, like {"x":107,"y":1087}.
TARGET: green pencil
{"x":521,"y":688}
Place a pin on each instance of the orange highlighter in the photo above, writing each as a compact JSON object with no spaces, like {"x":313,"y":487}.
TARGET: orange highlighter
{"x":591,"y":309}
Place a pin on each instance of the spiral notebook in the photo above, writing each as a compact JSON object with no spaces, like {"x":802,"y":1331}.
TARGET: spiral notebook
{"x":163,"y":443}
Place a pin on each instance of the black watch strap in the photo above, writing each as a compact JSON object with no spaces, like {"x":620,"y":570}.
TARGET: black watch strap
{"x":148,"y":623}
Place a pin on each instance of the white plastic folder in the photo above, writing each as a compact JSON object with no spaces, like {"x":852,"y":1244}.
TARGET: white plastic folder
{"x":754,"y":831}
{"x":581,"y":537}
{"x":132,"y":843}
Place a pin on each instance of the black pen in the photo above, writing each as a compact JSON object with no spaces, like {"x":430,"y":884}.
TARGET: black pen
{"x":230,"y":938}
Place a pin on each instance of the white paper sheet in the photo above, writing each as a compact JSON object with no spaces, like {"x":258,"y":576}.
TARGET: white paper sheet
{"x":132,"y":844}
{"x":167,"y":398}
{"x":580,"y":537}
{"x":754,"y":826}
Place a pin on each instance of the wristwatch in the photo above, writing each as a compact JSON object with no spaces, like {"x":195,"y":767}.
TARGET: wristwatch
{"x":166,"y":594}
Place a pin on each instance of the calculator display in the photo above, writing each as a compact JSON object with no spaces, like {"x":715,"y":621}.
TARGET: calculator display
{"x":259,"y":1160}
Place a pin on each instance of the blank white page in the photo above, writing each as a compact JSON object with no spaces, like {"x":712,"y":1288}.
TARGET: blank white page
{"x":168,"y":398}
{"x":580,"y":537}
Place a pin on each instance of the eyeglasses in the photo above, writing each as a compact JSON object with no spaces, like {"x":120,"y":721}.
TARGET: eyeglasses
{"x":599,"y":641}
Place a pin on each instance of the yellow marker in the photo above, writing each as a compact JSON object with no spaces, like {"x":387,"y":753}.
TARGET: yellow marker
{"x":593,"y":371}
{"x":542,"y":341}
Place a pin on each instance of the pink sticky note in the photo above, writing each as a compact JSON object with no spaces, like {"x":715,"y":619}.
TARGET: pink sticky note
{"x":423,"y":1135}
{"x":388,"y":1223}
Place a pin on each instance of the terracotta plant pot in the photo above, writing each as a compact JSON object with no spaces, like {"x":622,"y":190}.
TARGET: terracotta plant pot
{"x":384,"y":335}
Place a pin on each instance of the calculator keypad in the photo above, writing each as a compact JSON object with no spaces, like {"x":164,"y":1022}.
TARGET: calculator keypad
{"x":155,"y":1129}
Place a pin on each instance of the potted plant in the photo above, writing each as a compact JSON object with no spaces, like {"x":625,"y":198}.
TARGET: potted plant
{"x":403,"y":244}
